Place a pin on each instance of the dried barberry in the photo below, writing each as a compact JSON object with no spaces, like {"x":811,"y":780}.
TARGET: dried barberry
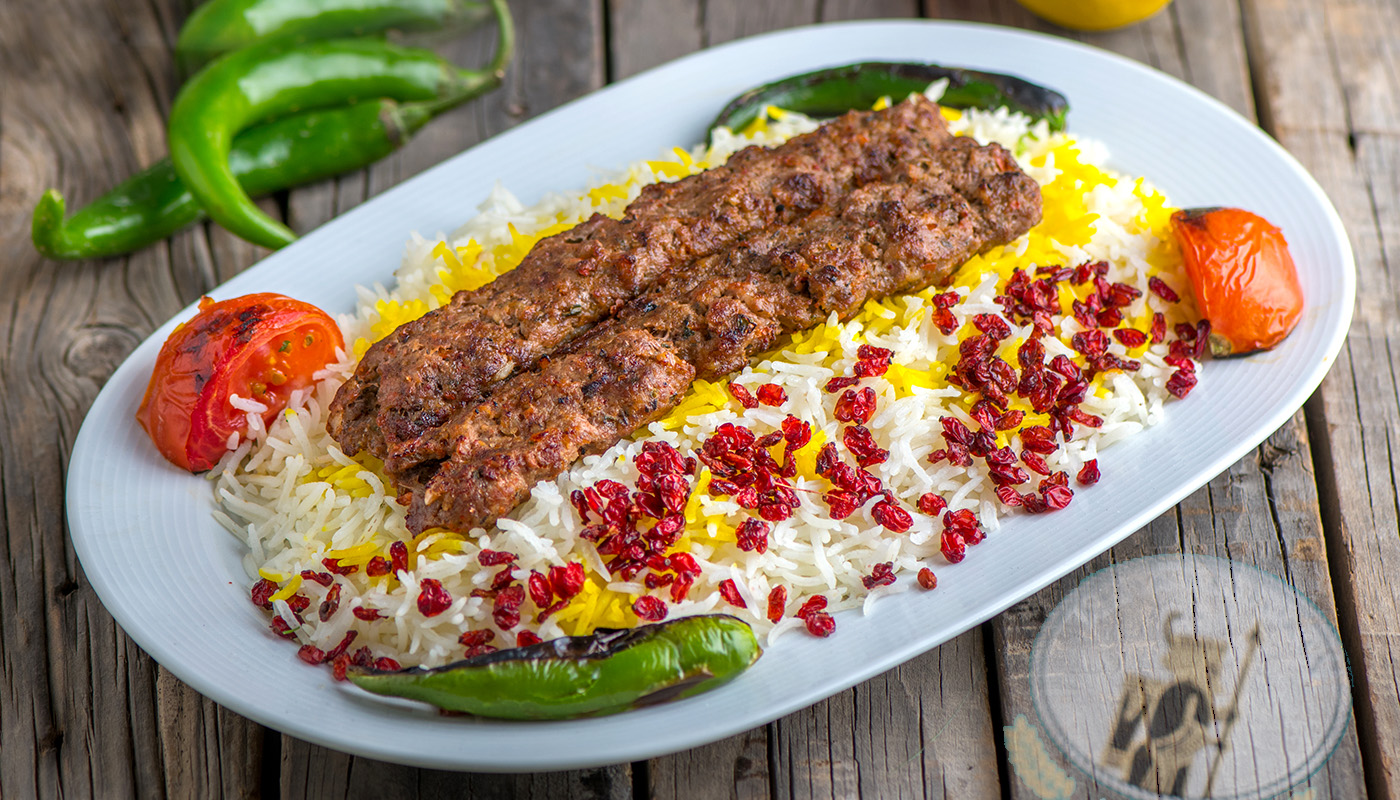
{"x":398,"y":557}
{"x":1181,"y":383}
{"x":880,"y":575}
{"x":494,"y":558}
{"x":820,"y":623}
{"x":1130,"y":337}
{"x":797,"y":432}
{"x":261,"y":592}
{"x":771,"y":394}
{"x":861,"y":444}
{"x":730,"y":592}
{"x":932,"y":504}
{"x":1158,"y":331}
{"x":743,"y":395}
{"x":334,"y":565}
{"x":1089,"y":473}
{"x":649,"y":608}
{"x":952,"y":546}
{"x":889,"y":514}
{"x":311,"y":654}
{"x":752,"y":535}
{"x":567,"y":581}
{"x":433,"y":599}
{"x":476,"y":638}
{"x":855,"y":406}
{"x":540,"y":592}
{"x":331,"y":604}
{"x":1160,"y":288}
{"x":777,"y":602}
{"x":927,"y":579}
{"x":1057,"y":497}
{"x":527,"y":638}
{"x":323,"y":578}
{"x":813,"y":604}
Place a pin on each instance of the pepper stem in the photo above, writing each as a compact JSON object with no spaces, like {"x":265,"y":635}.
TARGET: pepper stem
{"x":47,"y":225}
{"x":403,"y":120}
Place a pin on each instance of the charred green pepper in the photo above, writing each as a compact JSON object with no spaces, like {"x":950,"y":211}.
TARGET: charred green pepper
{"x":222,"y":26}
{"x":154,"y":204}
{"x":577,"y":676}
{"x":833,"y":91}
{"x":269,"y":81}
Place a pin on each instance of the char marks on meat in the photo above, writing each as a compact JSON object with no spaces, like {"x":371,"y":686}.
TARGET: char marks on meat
{"x":427,"y":371}
{"x":911,"y":229}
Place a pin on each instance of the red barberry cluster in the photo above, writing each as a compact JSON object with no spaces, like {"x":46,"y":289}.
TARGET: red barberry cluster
{"x":960,"y":531}
{"x":663,"y":488}
{"x":563,"y":583}
{"x":742,"y":467}
{"x":853,"y":487}
{"x":1191,"y":343}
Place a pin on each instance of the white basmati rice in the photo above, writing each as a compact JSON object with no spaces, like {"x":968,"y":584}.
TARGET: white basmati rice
{"x":294,"y":499}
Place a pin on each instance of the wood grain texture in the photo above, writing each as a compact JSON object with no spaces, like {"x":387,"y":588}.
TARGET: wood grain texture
{"x":1328,"y":79}
{"x":84,"y":713}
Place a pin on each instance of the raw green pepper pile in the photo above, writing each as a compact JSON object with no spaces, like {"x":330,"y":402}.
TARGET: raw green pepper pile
{"x":277,"y":103}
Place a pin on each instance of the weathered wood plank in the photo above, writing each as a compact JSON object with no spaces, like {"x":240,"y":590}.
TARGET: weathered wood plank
{"x":645,"y":33}
{"x":1329,"y":95}
{"x":85,"y":93}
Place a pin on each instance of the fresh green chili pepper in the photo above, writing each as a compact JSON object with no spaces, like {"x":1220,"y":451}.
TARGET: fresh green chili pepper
{"x":154,"y":204}
{"x":828,"y":92}
{"x":222,"y":26}
{"x":607,"y":672}
{"x":269,"y":81}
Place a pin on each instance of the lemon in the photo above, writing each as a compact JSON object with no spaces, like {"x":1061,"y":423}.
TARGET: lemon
{"x":1094,"y":15}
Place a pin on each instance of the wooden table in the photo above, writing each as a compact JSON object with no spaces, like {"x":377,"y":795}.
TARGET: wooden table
{"x":84,"y":89}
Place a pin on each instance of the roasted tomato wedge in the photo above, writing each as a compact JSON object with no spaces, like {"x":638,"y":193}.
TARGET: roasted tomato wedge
{"x":260,"y":347}
{"x":1242,"y":275}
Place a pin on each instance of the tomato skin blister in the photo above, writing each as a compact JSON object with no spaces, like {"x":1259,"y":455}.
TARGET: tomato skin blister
{"x":261,"y":347}
{"x":1242,"y":275}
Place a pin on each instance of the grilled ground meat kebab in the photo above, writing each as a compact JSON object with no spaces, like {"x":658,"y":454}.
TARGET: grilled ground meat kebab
{"x":895,"y":236}
{"x":417,"y":377}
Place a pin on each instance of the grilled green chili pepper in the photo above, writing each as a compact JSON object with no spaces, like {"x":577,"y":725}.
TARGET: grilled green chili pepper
{"x":607,"y":672}
{"x":154,"y":204}
{"x":222,"y":26}
{"x":828,"y":92}
{"x":269,"y":81}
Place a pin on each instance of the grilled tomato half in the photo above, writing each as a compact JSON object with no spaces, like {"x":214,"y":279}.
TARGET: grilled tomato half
{"x":1242,"y":275}
{"x":260,"y":347}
